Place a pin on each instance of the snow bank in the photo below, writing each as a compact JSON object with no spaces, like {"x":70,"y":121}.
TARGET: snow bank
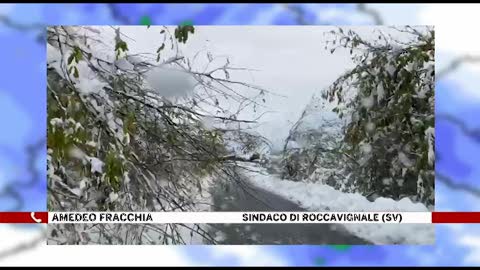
{"x":319,"y":197}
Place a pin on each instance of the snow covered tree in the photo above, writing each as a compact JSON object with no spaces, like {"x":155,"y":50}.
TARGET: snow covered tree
{"x":388,"y":102}
{"x":312,"y":144}
{"x":313,"y":149}
{"x":118,"y":141}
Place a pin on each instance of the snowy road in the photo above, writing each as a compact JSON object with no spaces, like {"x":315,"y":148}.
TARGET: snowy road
{"x":252,"y":198}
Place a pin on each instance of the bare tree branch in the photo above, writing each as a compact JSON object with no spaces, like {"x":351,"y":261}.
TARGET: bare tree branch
{"x":376,"y":17}
{"x":19,"y":26}
{"x":472,"y":133}
{"x":24,"y":246}
{"x":39,"y":27}
{"x":452,"y":184}
{"x":456,"y":63}
{"x":298,"y":13}
{"x":117,"y":15}
{"x":170,"y":150}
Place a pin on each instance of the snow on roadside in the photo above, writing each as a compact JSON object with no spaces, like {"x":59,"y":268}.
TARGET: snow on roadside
{"x":204,"y":201}
{"x":319,"y":197}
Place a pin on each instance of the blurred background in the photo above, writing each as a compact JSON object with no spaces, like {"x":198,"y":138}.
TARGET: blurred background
{"x":23,"y":130}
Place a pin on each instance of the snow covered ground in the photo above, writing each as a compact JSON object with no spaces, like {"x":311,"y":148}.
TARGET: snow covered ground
{"x":319,"y":197}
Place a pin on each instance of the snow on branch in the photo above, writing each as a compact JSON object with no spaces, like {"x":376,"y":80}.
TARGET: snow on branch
{"x":118,"y":142}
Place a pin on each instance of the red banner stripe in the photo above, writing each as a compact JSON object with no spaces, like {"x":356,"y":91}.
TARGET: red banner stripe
{"x":455,"y":217}
{"x":23,"y":217}
{"x":42,"y":217}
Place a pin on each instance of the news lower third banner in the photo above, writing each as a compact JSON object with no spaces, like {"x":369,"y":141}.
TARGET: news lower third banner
{"x":239,"y":217}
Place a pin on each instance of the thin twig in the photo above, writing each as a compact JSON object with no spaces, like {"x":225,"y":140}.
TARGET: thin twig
{"x":470,"y":132}
{"x":450,"y":183}
{"x":24,"y":246}
{"x":376,"y":17}
{"x":298,"y":13}
{"x":21,"y":27}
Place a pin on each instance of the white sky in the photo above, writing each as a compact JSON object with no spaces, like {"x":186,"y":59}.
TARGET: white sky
{"x":291,"y":62}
